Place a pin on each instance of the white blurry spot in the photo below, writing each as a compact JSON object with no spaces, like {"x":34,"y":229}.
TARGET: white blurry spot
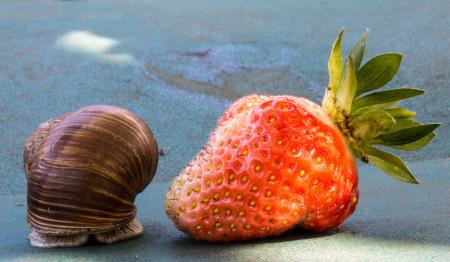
{"x":99,"y":47}
{"x":86,"y":42}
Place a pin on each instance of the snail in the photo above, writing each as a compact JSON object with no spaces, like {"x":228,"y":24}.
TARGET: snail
{"x":84,"y":170}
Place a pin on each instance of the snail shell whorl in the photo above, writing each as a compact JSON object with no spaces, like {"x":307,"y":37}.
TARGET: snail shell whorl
{"x":84,"y":170}
{"x":35,"y":141}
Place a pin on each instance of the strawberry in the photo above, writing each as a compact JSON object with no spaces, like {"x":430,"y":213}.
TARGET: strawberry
{"x":275,"y":162}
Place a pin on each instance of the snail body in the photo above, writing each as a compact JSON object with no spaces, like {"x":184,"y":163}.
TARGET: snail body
{"x":84,"y":170}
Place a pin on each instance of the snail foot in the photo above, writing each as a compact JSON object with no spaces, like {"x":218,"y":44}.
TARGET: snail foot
{"x":47,"y":240}
{"x":131,"y":230}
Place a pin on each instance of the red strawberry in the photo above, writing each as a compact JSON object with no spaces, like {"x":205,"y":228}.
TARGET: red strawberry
{"x":275,"y":162}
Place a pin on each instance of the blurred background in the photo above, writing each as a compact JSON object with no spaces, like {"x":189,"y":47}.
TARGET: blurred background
{"x":178,"y":64}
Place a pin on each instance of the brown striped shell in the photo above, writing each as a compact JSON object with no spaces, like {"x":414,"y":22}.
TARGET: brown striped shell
{"x":84,"y":170}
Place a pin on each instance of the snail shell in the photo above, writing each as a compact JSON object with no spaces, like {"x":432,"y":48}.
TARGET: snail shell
{"x":84,"y":170}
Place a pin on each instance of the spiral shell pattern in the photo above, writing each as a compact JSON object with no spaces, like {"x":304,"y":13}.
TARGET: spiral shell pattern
{"x":84,"y":170}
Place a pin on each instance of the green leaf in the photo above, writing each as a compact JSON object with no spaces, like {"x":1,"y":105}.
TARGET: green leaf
{"x":335,"y":63}
{"x":402,"y":124}
{"x":385,"y":97}
{"x":357,"y":51}
{"x":382,"y":107}
{"x":406,"y":135}
{"x":347,"y":88}
{"x":417,"y":144}
{"x":390,"y":164}
{"x":377,"y":72}
{"x":371,"y":124}
{"x":406,"y":123}
{"x":401,"y":113}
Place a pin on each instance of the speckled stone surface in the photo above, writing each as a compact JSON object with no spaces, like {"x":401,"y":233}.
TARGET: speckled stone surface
{"x":179,"y":64}
{"x":395,"y":221}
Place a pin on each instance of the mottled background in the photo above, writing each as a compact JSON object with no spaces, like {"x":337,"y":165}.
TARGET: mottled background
{"x":179,"y":64}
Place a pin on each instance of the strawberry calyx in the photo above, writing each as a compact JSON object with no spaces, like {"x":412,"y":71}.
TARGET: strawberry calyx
{"x":369,"y":118}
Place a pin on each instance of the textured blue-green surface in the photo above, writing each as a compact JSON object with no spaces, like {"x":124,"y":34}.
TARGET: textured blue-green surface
{"x":394,"y":221}
{"x":178,"y":64}
{"x":187,"y":60}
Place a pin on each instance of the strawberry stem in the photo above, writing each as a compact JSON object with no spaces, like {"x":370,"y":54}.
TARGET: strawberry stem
{"x":375,"y":118}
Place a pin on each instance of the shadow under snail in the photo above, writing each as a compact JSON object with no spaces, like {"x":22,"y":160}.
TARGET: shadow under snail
{"x":84,"y":170}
